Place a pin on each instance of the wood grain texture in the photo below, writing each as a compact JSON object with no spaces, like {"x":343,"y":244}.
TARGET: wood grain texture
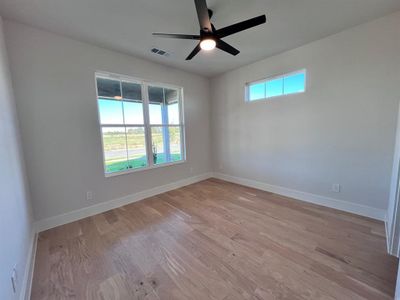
{"x":216,"y":240}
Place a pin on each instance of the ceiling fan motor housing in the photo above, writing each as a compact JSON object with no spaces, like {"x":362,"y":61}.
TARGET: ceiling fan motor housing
{"x":204,"y":35}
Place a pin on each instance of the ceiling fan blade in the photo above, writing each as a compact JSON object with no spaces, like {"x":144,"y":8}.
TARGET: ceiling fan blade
{"x":194,"y":52}
{"x":177,"y":36}
{"x":223,"y":32}
{"x":227,"y":48}
{"x":202,"y":14}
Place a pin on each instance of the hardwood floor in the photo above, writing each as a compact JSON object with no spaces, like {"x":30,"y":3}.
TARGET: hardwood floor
{"x":216,"y":240}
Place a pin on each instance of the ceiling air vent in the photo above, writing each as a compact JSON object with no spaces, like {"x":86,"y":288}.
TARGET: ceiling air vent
{"x":159,"y":52}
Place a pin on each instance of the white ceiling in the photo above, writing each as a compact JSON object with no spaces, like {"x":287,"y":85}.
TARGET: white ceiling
{"x":126,"y":25}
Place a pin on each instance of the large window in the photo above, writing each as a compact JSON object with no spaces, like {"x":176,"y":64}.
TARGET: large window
{"x":141,"y":123}
{"x":277,"y":86}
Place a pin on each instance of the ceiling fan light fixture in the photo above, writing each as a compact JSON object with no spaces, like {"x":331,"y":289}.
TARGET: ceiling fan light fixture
{"x":209,"y":36}
{"x":208,"y":44}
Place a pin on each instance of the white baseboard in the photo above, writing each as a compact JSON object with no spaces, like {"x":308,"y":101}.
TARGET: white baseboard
{"x":75,"y":215}
{"x":367,"y":211}
{"x":30,"y":264}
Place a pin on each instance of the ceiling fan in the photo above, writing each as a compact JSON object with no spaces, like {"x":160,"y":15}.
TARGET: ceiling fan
{"x":209,"y":37}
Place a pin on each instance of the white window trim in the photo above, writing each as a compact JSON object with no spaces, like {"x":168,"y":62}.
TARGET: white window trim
{"x":247,"y":85}
{"x":146,"y":120}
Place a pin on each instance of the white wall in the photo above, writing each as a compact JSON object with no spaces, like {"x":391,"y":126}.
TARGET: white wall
{"x":56,"y":103}
{"x":16,"y":234}
{"x":393,"y":213}
{"x":342,"y":130}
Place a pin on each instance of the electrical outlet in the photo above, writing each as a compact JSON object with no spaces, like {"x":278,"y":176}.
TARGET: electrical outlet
{"x":336,"y":188}
{"x":89,"y":195}
{"x":14,"y":279}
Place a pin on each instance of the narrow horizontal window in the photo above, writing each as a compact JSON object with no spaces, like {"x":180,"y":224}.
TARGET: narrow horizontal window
{"x":274,"y":88}
{"x":257,"y":91}
{"x":295,"y":83}
{"x":286,"y":84}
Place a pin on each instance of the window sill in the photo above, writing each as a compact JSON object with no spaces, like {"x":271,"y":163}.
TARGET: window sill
{"x":274,"y":97}
{"x":107,"y":175}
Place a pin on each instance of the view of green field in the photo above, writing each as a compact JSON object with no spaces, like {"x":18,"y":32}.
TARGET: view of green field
{"x":116,"y":143}
{"x":138,"y":162}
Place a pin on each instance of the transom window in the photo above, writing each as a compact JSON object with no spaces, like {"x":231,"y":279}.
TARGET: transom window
{"x":287,"y":84}
{"x":141,"y":123}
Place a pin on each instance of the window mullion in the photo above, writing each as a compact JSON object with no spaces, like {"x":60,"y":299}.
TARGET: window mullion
{"x":149,"y":149}
{"x":283,"y":85}
{"x":181,"y":125}
{"x":123,"y":120}
{"x":265,"y":90}
{"x":165,"y":128}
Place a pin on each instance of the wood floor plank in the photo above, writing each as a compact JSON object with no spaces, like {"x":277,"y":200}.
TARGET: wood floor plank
{"x":216,"y":240}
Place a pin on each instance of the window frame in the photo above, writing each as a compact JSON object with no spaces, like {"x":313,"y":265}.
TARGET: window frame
{"x":274,"y":77}
{"x":146,"y":121}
